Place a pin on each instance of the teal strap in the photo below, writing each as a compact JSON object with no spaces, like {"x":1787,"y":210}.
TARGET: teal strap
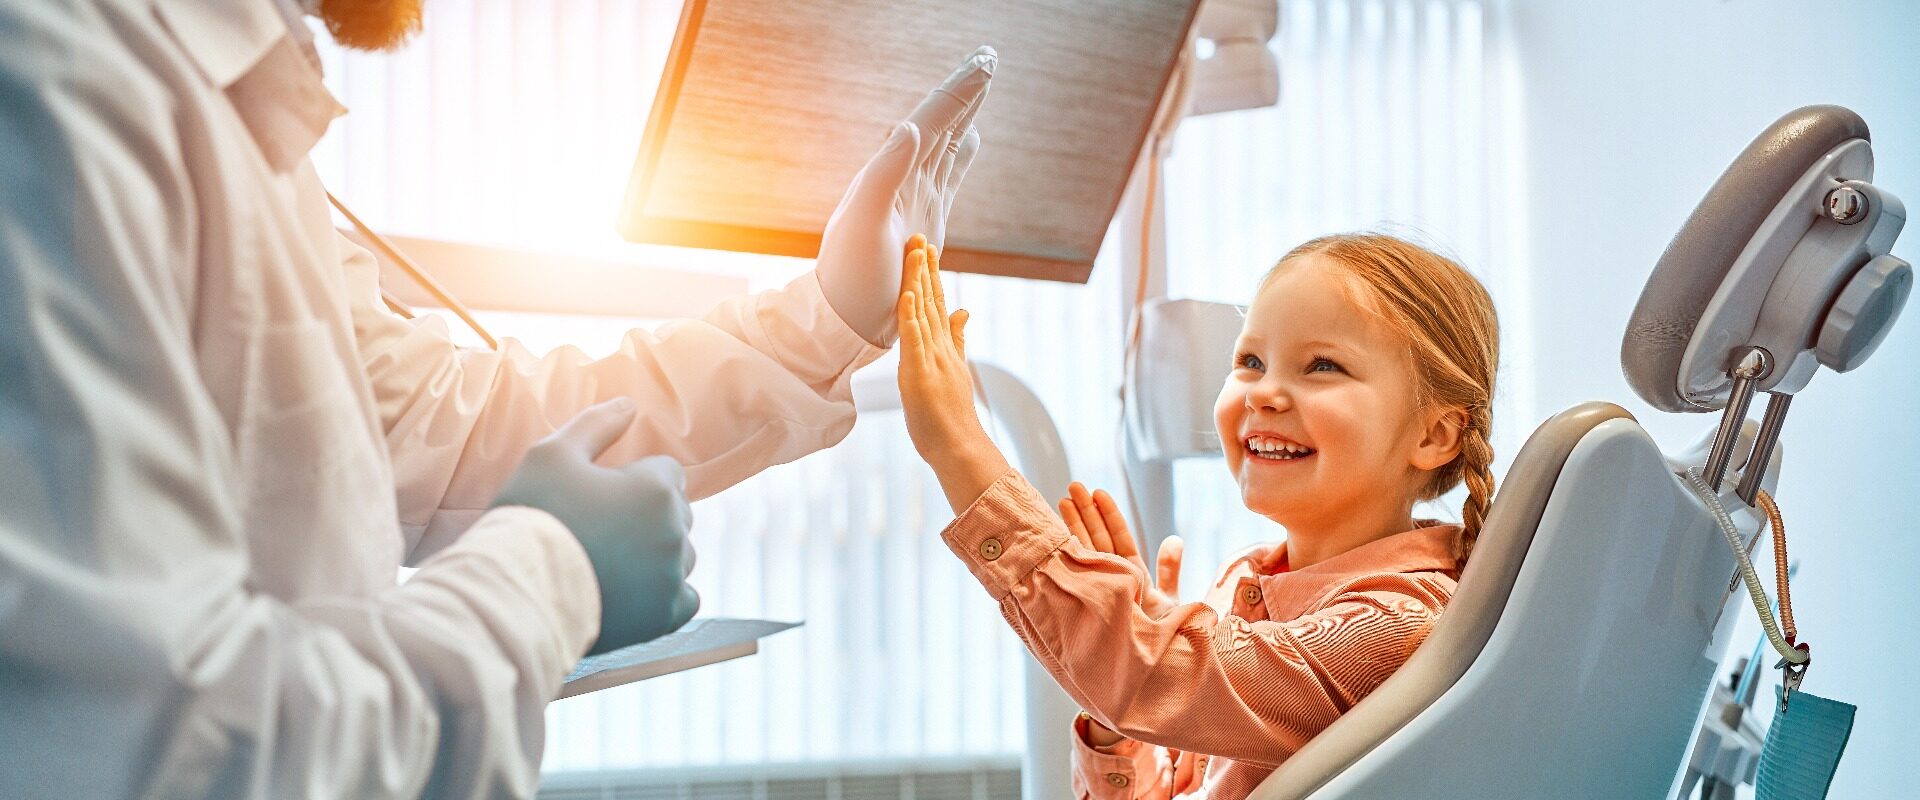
{"x":1803,"y":748}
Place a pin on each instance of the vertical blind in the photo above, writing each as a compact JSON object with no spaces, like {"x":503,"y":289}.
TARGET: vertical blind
{"x":515,"y":123}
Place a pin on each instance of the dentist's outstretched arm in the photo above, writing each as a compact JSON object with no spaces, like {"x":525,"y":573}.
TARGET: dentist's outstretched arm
{"x":760,"y":380}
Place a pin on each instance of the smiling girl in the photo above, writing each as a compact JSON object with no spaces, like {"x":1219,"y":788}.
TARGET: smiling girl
{"x":1361,"y":384}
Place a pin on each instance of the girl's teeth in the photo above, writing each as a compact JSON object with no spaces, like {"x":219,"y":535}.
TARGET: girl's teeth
{"x":1275,"y":451}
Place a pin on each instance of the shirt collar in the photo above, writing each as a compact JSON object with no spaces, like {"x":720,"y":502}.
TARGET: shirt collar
{"x":261,"y":54}
{"x":225,"y":37}
{"x":1292,"y":593}
{"x":1425,"y":549}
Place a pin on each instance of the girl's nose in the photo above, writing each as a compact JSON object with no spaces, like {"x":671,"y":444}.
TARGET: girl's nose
{"x":1268,"y":394}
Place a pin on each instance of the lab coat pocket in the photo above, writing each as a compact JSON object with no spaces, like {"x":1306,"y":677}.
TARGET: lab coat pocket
{"x":318,"y":484}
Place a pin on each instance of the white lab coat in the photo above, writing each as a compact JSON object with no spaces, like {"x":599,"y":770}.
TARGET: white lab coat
{"x":216,"y":446}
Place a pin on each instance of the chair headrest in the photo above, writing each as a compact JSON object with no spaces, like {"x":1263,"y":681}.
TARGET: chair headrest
{"x":1759,"y":263}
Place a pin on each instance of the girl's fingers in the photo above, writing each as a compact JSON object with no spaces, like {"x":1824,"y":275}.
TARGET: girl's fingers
{"x":1167,"y":574}
{"x":929,"y":336}
{"x":959,"y":324}
{"x":1116,"y":525}
{"x":933,"y":268}
{"x":1162,"y":786}
{"x":936,"y":297}
{"x":1071,"y":515}
{"x":914,"y":242}
{"x":909,"y":321}
{"x":1096,"y":527}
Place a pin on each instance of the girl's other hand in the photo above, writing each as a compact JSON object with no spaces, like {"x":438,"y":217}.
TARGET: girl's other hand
{"x":1095,"y":519}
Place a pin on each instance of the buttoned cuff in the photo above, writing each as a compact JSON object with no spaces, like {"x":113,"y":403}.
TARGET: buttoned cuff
{"x":1007,"y":531}
{"x":1109,"y":773}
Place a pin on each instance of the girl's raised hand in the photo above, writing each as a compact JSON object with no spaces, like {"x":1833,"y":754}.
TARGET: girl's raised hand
{"x":936,"y":385}
{"x":1095,"y":519}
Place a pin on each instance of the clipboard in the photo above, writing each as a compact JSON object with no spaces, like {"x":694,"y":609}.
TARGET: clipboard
{"x":706,"y":640}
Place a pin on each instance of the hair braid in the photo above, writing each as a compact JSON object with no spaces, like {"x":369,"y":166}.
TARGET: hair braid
{"x":1476,"y":457}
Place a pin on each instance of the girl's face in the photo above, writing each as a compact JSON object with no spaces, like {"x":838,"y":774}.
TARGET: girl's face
{"x":1319,"y":416}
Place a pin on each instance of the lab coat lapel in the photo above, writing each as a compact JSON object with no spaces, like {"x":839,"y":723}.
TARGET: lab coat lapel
{"x":251,"y":50}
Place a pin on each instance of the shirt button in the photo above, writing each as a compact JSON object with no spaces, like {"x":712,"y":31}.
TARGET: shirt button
{"x":990,"y":549}
{"x":1118,"y":780}
{"x":1250,"y":594}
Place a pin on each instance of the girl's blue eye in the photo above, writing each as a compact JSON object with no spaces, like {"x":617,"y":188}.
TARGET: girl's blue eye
{"x":1321,"y":364}
{"x":1248,"y":361}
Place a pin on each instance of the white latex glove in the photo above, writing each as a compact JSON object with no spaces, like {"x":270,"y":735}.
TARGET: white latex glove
{"x":906,"y":188}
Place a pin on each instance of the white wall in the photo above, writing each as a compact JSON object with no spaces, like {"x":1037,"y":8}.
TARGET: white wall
{"x":1632,"y":109}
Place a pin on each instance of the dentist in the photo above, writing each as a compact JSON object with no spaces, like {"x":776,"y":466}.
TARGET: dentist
{"x":217,"y":446}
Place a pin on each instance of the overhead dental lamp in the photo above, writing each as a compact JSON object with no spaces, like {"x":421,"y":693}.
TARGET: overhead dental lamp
{"x":767,"y":108}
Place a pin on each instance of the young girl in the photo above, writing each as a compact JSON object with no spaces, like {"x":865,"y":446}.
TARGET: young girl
{"x":1361,"y":384}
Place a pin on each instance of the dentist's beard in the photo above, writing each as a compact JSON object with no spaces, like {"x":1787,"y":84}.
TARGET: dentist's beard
{"x":371,"y":24}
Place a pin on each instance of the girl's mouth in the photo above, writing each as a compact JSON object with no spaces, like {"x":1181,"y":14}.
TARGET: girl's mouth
{"x":1271,"y":448}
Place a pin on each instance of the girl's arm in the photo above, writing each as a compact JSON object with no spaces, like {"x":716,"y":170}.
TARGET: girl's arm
{"x":1249,"y":690}
{"x":1253,"y":691}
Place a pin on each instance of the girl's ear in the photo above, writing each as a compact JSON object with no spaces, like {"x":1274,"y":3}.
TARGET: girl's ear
{"x":1439,"y":441}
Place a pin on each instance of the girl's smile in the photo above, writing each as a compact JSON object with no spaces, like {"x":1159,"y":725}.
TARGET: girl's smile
{"x":1263,"y":446}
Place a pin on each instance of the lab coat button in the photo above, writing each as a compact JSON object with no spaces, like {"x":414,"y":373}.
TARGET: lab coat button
{"x":990,"y":549}
{"x":1118,"y":780}
{"x":1250,"y":594}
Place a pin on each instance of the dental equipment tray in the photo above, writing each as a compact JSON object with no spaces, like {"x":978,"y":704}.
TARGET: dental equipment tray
{"x":707,"y":640}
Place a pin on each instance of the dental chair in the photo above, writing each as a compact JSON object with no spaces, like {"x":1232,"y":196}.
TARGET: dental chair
{"x":1578,"y":654}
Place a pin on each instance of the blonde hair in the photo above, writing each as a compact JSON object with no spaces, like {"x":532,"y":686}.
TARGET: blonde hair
{"x":1447,"y":320}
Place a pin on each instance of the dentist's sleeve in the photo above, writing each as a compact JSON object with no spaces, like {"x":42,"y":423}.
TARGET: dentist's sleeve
{"x":760,"y":380}
{"x":136,"y":656}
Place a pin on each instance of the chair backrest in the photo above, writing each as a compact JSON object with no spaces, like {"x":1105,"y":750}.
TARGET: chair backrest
{"x":1574,"y":659}
{"x":1467,"y":623}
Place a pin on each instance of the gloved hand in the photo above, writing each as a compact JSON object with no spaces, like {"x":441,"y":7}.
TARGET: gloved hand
{"x":906,"y":188}
{"x":632,"y":521}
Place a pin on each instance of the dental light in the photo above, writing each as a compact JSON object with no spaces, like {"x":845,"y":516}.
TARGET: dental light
{"x":766,"y":107}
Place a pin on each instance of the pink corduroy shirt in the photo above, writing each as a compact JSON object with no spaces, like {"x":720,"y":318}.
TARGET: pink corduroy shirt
{"x":1271,"y":658}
